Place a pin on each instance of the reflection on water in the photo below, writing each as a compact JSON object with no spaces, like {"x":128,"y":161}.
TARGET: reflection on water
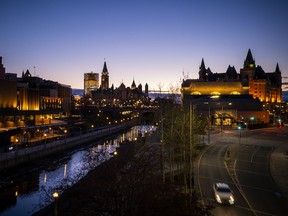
{"x":31,"y":191}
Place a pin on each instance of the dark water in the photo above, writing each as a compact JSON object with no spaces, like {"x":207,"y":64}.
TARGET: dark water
{"x":29,"y":191}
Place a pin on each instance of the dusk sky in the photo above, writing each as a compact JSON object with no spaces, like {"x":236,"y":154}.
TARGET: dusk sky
{"x":152,"y":41}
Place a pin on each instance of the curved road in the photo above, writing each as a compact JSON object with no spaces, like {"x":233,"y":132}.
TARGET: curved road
{"x":246,"y":170}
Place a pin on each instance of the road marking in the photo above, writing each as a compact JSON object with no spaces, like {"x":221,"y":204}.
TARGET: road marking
{"x":237,"y":184}
{"x":254,"y":154}
{"x":212,"y":165}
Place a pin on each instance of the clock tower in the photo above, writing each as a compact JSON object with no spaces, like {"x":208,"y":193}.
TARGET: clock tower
{"x":105,"y":78}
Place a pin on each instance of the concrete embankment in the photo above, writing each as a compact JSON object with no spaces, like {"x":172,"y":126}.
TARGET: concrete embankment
{"x":18,"y":157}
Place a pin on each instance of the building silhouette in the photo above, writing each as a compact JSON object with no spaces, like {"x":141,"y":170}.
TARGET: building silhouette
{"x":104,"y":78}
{"x":121,"y":96}
{"x":2,"y":69}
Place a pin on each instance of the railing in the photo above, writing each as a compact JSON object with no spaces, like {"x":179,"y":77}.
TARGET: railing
{"x":71,"y":141}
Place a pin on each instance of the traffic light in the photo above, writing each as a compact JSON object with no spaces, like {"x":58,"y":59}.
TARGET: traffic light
{"x":239,"y":127}
{"x":252,"y":118}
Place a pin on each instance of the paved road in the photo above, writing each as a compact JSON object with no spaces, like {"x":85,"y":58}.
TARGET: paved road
{"x":246,"y":170}
{"x":211,"y":169}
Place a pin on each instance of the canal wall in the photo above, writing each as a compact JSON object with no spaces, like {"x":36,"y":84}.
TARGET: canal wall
{"x":21,"y":156}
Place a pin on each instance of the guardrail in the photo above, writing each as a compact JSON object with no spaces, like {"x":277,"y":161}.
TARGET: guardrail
{"x":20,"y":156}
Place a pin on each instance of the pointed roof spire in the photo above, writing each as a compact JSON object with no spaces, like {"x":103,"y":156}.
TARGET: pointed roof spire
{"x":249,"y":61}
{"x":105,"y":70}
{"x":202,"y":66}
{"x":133,"y":86}
{"x":277,"y":70}
{"x":249,"y":56}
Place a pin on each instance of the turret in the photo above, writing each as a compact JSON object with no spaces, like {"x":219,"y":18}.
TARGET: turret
{"x":248,"y":71}
{"x":133,"y":86}
{"x":278,"y":76}
{"x":249,"y":61}
{"x":146,"y":90}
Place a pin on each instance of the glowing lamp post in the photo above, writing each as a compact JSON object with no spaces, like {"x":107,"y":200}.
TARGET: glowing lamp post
{"x":65,"y":132}
{"x":239,"y":129}
{"x":16,"y":142}
{"x":45,"y":135}
{"x":56,"y":197}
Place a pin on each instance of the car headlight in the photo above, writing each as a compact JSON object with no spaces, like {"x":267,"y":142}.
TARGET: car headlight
{"x":218,"y":198}
{"x":231,"y":199}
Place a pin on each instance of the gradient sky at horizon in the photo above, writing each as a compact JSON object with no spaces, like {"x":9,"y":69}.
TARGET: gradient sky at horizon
{"x":152,"y":41}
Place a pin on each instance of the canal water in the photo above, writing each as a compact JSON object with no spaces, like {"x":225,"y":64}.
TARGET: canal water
{"x":27,"y":191}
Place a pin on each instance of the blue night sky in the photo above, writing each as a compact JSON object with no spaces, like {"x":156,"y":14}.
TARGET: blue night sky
{"x":152,"y":41}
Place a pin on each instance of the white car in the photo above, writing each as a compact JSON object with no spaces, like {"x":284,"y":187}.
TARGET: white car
{"x":223,"y":194}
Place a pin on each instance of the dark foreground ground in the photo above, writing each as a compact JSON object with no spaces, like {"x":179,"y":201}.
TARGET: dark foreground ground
{"x":79,"y":198}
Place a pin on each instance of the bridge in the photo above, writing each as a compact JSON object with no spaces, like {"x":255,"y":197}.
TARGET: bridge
{"x":285,"y":83}
{"x":161,"y":92}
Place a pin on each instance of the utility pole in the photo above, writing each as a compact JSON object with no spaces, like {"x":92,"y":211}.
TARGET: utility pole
{"x":162,"y":146}
{"x":222,"y":121}
{"x":191,"y":119}
{"x":209,"y":123}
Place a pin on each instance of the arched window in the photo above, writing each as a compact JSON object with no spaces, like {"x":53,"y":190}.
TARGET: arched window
{"x":215,"y":93}
{"x":235,"y":93}
{"x":196,"y":93}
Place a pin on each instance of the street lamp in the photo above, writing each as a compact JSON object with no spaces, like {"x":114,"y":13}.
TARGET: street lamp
{"x":16,"y":142}
{"x":56,"y":197}
{"x":65,"y":132}
{"x":222,"y":121}
{"x":239,"y":128}
{"x":45,"y":135}
{"x":208,"y":121}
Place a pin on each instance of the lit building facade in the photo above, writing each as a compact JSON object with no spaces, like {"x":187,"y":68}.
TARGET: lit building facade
{"x":252,"y":80}
{"x":91,"y":82}
{"x":265,"y":86}
{"x":251,"y":86}
{"x":30,"y":100}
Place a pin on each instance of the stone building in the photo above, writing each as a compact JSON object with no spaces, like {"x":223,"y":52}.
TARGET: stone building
{"x":252,"y":79}
{"x":252,"y":86}
{"x":120,"y":96}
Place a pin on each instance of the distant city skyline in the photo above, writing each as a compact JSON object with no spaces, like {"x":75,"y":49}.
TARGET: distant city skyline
{"x":152,"y":42}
